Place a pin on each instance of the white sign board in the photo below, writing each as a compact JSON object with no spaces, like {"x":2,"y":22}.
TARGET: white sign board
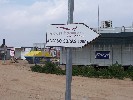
{"x":71,"y":35}
{"x":12,"y":53}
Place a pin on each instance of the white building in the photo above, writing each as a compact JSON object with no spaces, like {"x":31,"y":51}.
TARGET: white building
{"x":106,"y":24}
{"x":21,"y":51}
{"x":111,"y":47}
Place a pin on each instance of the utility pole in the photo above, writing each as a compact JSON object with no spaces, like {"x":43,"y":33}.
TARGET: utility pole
{"x":69,"y":54}
{"x":98,"y":20}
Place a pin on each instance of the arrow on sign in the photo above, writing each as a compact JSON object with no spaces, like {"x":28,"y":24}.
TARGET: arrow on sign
{"x":71,"y":35}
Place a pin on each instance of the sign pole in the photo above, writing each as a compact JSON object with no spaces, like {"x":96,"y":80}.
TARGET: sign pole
{"x":69,"y":36}
{"x":69,"y":54}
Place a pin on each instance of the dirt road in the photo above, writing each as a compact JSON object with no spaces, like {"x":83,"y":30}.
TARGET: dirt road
{"x":17,"y":82}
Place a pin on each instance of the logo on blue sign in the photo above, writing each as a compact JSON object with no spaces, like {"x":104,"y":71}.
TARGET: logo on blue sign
{"x":102,"y":54}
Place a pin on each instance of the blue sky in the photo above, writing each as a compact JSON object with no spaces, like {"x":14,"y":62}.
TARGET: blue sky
{"x":24,"y":22}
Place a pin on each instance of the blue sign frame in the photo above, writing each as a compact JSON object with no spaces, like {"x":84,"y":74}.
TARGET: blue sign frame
{"x":102,"y":55}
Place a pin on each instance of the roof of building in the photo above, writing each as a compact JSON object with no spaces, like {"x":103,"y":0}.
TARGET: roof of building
{"x":117,"y":35}
{"x":114,"y":38}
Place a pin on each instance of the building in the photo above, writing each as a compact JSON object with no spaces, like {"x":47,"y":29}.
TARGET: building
{"x":106,"y":24}
{"x":113,"y":45}
{"x":21,"y":51}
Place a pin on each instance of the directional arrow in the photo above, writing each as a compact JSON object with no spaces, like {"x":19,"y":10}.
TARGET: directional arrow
{"x":71,"y":35}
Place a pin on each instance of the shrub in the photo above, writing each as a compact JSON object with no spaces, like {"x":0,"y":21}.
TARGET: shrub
{"x":91,"y":72}
{"x":114,"y":71}
{"x":105,"y":73}
{"x":59,"y":71}
{"x":117,"y":71}
{"x":37,"y":68}
{"x":130,"y":72}
{"x":49,"y":67}
{"x":76,"y":70}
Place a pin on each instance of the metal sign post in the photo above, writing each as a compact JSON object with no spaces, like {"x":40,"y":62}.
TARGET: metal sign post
{"x":69,"y":35}
{"x":69,"y":54}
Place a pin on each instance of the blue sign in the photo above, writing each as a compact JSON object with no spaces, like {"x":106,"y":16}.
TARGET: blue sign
{"x":102,"y":54}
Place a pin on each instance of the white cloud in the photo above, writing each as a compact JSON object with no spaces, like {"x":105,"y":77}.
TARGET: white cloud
{"x":28,"y":24}
{"x":35,"y":14}
{"x":4,"y":1}
{"x":119,"y":11}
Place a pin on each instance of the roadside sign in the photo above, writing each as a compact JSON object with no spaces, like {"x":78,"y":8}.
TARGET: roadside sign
{"x":12,"y":52}
{"x":71,"y":35}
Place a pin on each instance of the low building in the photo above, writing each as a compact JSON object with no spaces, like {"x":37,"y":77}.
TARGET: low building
{"x":21,"y":51}
{"x":106,"y":50}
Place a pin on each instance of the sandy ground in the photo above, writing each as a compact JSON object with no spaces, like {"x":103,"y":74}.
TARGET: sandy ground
{"x":17,"y":82}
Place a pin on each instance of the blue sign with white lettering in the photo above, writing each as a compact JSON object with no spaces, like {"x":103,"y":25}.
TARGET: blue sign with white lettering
{"x":102,"y":54}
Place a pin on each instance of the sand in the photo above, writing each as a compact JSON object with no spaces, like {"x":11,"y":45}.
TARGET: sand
{"x":17,"y":82}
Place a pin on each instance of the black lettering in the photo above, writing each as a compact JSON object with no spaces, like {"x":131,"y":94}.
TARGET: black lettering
{"x":67,"y":41}
{"x":74,"y":41}
{"x":64,"y":40}
{"x":71,"y":41}
{"x":82,"y":41}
